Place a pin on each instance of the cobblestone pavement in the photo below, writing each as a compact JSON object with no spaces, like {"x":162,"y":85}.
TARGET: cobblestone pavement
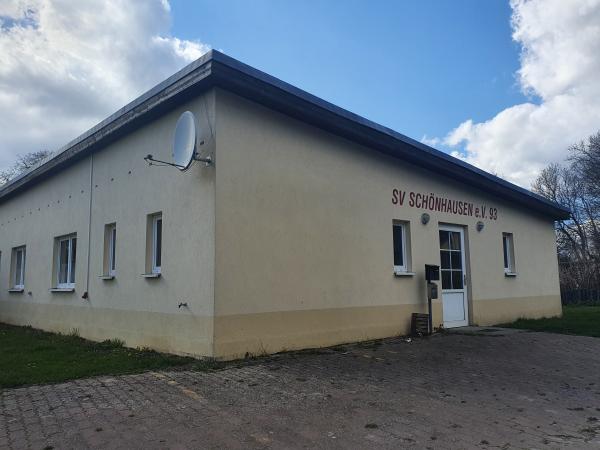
{"x":525,"y":390}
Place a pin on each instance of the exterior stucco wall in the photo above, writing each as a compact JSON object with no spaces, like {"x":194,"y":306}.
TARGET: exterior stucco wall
{"x":286,"y":243}
{"x":304,"y":251}
{"x":124,"y":189}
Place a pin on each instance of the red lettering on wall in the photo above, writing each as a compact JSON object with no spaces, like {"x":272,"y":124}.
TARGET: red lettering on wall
{"x":433,"y":202}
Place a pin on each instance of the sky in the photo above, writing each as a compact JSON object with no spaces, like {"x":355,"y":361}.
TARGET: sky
{"x":506,"y":86}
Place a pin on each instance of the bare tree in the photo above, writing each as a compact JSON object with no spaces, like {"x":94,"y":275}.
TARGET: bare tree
{"x":577,"y":186}
{"x":585,"y":161}
{"x":22,"y":164}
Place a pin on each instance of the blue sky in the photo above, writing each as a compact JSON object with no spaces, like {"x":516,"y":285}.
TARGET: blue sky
{"x":419,"y":67}
{"x":453,"y":71}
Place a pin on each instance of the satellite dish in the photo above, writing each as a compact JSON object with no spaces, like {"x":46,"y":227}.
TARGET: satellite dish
{"x":184,"y":141}
{"x":184,"y":145}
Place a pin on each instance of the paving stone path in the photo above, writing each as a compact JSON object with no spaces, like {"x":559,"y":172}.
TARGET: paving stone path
{"x":524,"y":390}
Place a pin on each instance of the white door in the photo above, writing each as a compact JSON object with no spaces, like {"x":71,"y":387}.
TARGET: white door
{"x":453,"y":278}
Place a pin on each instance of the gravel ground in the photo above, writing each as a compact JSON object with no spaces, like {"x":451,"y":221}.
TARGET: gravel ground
{"x":514,"y":390}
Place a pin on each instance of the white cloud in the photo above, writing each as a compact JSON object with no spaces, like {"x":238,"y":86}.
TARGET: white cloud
{"x":433,"y":141}
{"x":65,"y":65}
{"x":560,"y":65}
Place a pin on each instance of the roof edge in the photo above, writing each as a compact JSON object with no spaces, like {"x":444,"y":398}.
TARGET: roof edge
{"x":216,"y":68}
{"x":460,"y":168}
{"x":131,"y":112}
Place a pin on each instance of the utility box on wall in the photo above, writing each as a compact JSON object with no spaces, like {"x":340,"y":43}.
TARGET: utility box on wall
{"x":432,"y":290}
{"x":432,"y":273}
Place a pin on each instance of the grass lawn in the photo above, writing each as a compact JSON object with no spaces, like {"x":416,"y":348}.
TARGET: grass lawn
{"x":30,"y":356}
{"x":581,"y":320}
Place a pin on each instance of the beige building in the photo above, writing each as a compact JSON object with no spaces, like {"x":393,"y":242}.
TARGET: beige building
{"x":311,"y":228}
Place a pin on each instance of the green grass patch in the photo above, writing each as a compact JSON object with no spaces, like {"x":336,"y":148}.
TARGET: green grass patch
{"x":579,"y":320}
{"x":30,"y":356}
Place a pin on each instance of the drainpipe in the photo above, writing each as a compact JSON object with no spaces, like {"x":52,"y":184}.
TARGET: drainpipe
{"x":89,"y":236}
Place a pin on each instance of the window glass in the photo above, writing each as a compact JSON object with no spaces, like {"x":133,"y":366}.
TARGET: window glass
{"x":158,"y":242}
{"x":454,"y":240}
{"x":507,"y":252}
{"x":451,"y":265}
{"x":398,"y":246}
{"x":19,"y":275}
{"x":457,"y":279}
{"x":113,"y":247}
{"x":445,"y":259}
{"x":456,"y":260}
{"x":109,"y":264}
{"x":155,"y":257}
{"x":67,"y":252}
{"x":72,"y":262}
{"x":444,"y":240}
{"x":63,"y":268}
{"x":18,"y":269}
{"x":446,"y":280}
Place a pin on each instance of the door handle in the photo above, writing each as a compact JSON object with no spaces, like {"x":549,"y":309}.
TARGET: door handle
{"x":464,"y":278}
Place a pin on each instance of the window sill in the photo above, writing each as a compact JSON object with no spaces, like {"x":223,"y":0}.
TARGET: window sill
{"x":62,"y":289}
{"x":401,"y":273}
{"x":17,"y":290}
{"x":151,"y":275}
{"x":107,"y":277}
{"x":510,"y":274}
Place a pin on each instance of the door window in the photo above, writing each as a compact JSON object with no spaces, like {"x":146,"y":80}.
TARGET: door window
{"x":451,"y":266}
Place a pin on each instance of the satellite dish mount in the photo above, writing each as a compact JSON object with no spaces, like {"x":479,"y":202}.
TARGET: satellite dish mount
{"x":184,"y":145}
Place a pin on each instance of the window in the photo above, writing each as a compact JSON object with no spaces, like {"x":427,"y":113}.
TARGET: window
{"x":156,"y":255}
{"x":65,"y":264}
{"x":156,"y":243}
{"x":451,"y":260}
{"x":110,"y":247}
{"x":508,"y":253}
{"x":400,"y":247}
{"x":18,"y":268}
{"x":154,"y":224}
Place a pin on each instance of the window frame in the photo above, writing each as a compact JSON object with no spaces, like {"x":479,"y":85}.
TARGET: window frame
{"x":21,"y":274}
{"x":404,"y":267}
{"x":156,"y":269}
{"x":111,"y":249}
{"x":70,"y":263}
{"x":456,"y":246}
{"x":508,"y":255}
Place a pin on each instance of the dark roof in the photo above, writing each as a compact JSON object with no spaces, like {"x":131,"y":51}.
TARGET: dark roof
{"x":216,"y":69}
